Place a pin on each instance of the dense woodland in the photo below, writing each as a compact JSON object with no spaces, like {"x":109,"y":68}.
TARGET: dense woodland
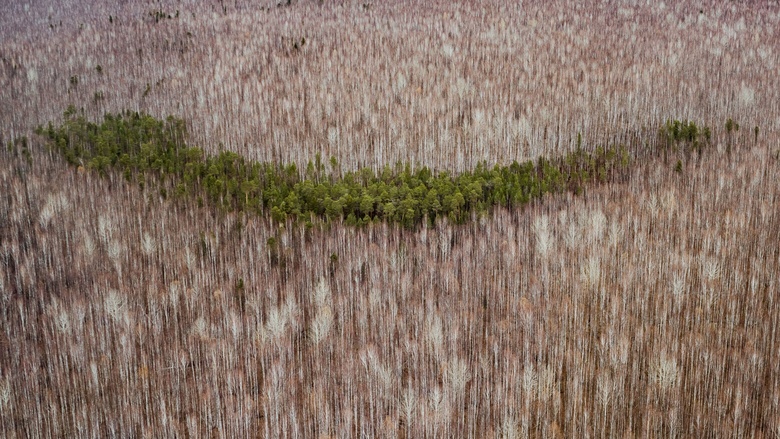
{"x":139,"y":145}
{"x":389,"y":219}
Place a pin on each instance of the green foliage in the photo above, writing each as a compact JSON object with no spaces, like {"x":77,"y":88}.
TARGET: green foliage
{"x":158,"y":15}
{"x":731,"y":125}
{"x":686,"y":131}
{"x":20,"y":146}
{"x":152,"y":151}
{"x":685,"y":136}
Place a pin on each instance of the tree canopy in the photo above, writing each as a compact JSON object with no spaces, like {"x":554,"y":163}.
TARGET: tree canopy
{"x":139,"y":146}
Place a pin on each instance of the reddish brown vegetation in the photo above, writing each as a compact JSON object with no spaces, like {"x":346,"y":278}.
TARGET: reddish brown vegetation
{"x":641,"y":309}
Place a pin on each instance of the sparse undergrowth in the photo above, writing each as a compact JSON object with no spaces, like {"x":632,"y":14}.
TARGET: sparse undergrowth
{"x":154,"y":152}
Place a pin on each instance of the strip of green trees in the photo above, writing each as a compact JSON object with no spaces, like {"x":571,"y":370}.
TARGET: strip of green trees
{"x":153,"y":152}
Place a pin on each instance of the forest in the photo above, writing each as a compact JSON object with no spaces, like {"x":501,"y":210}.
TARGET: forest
{"x":396,"y":219}
{"x":138,"y":145}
